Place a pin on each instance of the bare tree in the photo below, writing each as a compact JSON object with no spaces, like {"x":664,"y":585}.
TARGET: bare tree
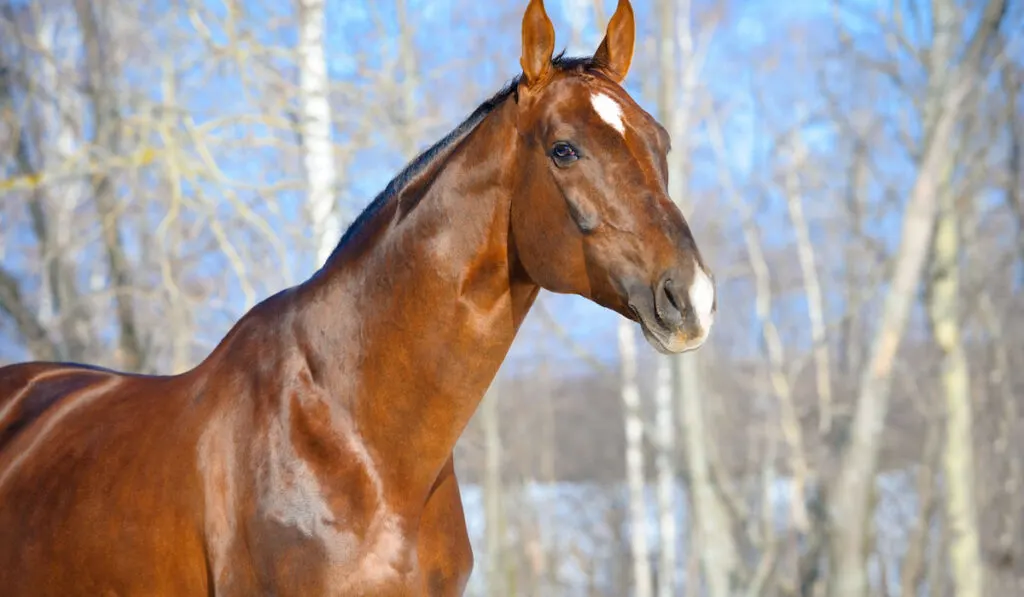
{"x":665,"y":447}
{"x":944,"y":315}
{"x":12,"y":303}
{"x":665,"y":450}
{"x":914,"y":564}
{"x":228,"y":153}
{"x":315,"y":125}
{"x":52,"y":206}
{"x":493,"y":491}
{"x":681,"y":55}
{"x":812,"y":286}
{"x":93,"y":21}
{"x":851,"y":495}
{"x":635,"y":476}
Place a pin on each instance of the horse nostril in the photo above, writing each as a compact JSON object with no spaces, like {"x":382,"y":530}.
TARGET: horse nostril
{"x":671,"y":295}
{"x":670,"y":304}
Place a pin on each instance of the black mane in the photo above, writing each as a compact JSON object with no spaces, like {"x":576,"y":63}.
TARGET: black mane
{"x":420,"y":162}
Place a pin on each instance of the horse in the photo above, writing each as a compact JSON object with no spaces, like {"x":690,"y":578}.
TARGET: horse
{"x":310,"y":453}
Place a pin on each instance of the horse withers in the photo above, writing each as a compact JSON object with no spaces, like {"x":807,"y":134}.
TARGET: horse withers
{"x":311,"y":452}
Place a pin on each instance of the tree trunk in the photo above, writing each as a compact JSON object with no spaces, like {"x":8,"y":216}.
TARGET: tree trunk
{"x":719,"y":554}
{"x":812,"y":288}
{"x":711,"y":525}
{"x":168,"y":235}
{"x":850,"y":498}
{"x":26,"y":320}
{"x":958,"y":452}
{"x":665,"y":448}
{"x":493,"y":508}
{"x":106,"y":119}
{"x":912,"y":571}
{"x":12,"y":303}
{"x":1005,"y":548}
{"x":634,"y":460}
{"x":789,"y":419}
{"x":315,"y":124}
{"x":665,"y":455}
{"x":52,"y":206}
{"x":1011,"y":83}
{"x":852,"y":339}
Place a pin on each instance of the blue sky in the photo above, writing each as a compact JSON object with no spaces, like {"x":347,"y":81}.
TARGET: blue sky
{"x":752,"y":26}
{"x":352,"y":31}
{"x":762,"y":45}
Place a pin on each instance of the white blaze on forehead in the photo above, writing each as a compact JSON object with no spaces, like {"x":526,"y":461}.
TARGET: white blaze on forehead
{"x":702,"y":296}
{"x":609,"y":110}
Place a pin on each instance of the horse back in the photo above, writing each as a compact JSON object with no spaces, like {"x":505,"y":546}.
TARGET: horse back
{"x":27,"y":390}
{"x":95,"y":482}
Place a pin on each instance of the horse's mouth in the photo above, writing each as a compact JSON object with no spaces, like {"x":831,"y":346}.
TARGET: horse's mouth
{"x":667,"y":341}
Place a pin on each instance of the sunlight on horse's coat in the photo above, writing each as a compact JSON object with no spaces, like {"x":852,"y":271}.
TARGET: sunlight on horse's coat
{"x":291,"y":493}
{"x":216,"y":464}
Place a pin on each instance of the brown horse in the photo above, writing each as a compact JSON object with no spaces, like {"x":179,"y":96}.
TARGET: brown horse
{"x":311,"y":452}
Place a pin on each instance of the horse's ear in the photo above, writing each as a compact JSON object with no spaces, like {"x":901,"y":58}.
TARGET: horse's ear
{"x":538,"y":43}
{"x":616,"y":50}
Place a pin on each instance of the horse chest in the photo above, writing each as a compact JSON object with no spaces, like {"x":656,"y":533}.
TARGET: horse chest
{"x":334,"y":562}
{"x":329,"y":547}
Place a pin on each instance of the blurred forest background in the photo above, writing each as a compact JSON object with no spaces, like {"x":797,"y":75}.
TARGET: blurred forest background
{"x":852,"y":172}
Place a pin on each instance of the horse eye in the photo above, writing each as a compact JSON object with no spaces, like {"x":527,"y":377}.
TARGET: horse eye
{"x":564,"y":154}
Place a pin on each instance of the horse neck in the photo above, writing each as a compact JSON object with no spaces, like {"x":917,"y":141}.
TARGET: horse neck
{"x":415,"y":318}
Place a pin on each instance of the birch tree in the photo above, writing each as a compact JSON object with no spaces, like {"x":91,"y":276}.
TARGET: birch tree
{"x":944,"y":316}
{"x":665,"y":446}
{"x":315,"y":123}
{"x":811,"y":283}
{"x":678,"y":96}
{"x":665,"y":425}
{"x":850,"y":501}
{"x":801,"y":194}
{"x":493,"y":507}
{"x":52,"y":205}
{"x":37,"y":338}
{"x":635,"y":477}
{"x":100,"y":61}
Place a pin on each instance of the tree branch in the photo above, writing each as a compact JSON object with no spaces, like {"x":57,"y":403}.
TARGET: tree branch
{"x":35,"y":335}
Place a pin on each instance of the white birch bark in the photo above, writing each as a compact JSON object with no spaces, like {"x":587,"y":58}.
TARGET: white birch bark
{"x":493,"y":507}
{"x":719,"y":554}
{"x":665,"y":426}
{"x":944,"y":316}
{"x":315,"y":127}
{"x":665,"y":447}
{"x":851,"y":496}
{"x":789,"y":420}
{"x":850,"y":508}
{"x":634,"y":460}
{"x":958,"y":452}
{"x":711,"y":522}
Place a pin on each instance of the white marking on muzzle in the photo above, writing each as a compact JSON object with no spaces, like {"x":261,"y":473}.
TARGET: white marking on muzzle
{"x":702,"y":297}
{"x":609,"y":110}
